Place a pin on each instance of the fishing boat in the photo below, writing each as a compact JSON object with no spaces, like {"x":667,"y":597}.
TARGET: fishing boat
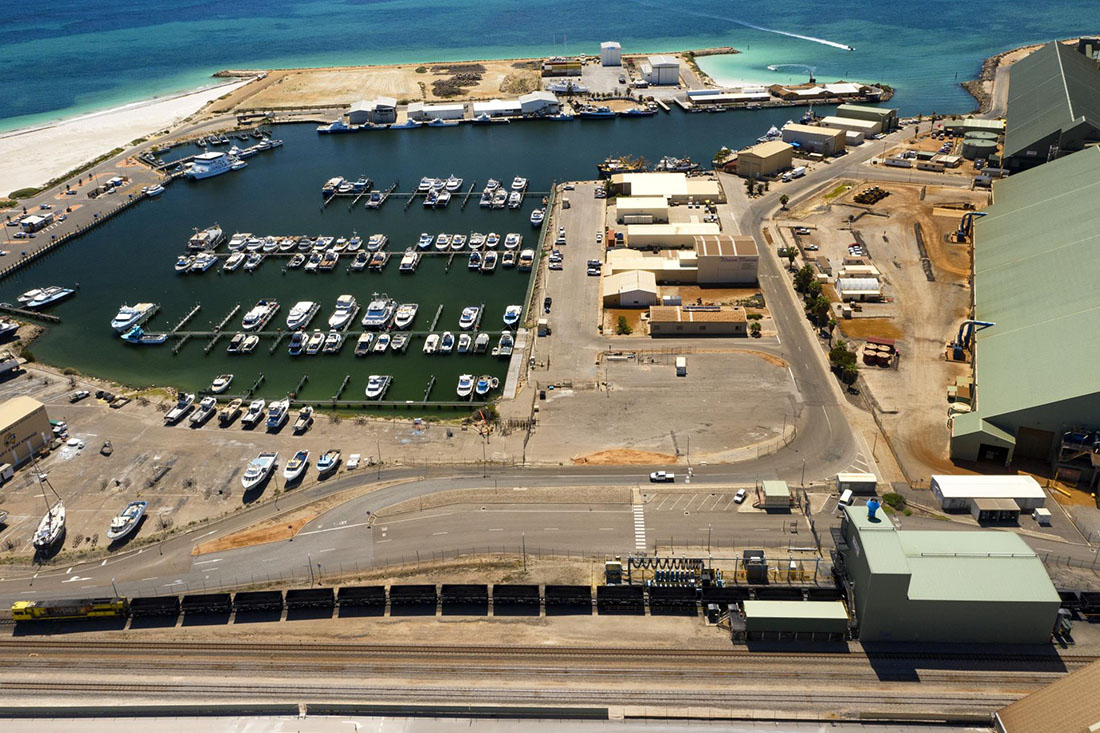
{"x":137,"y":335}
{"x":297,"y":343}
{"x":537,"y":217}
{"x":474,"y":263}
{"x":382,"y":343}
{"x":183,"y":405}
{"x":596,"y":112}
{"x":508,"y":259}
{"x":207,"y":407}
{"x":431,"y":343}
{"x":278,"y":414}
{"x":621,"y":164}
{"x":399,"y":341}
{"x":343,"y":313}
{"x":477,"y":240}
{"x":221,"y":383}
{"x":646,"y":111}
{"x":492,"y":240}
{"x":129,"y":316}
{"x":126,"y":521}
{"x":465,"y":386}
{"x":406,"y":313}
{"x":465,"y":341}
{"x":446,"y":342}
{"x":304,"y":419}
{"x":316,"y":342}
{"x":328,"y":462}
{"x":258,"y":470}
{"x":233,"y":261}
{"x":513,"y":240}
{"x":301,"y":314}
{"x":670,"y":164}
{"x":230,"y":412}
{"x":254,"y":414}
{"x":409,"y":261}
{"x":481,"y":343}
{"x":362,"y":346}
{"x":258,"y":316}
{"x":468,"y":319}
{"x":296,"y":466}
{"x":377,"y":242}
{"x":489,"y":261}
{"x":333,"y":342}
{"x":51,"y":527}
{"x":512,"y":314}
{"x":377,"y":385}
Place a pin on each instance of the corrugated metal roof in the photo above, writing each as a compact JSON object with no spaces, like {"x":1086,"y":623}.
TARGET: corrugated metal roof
{"x":1067,"y":705}
{"x":1007,"y":487}
{"x":16,"y":409}
{"x":882,"y":112}
{"x":1050,"y":90}
{"x":796,"y":609}
{"x":1035,"y":276}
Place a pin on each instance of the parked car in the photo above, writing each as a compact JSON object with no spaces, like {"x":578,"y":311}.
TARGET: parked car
{"x":662,"y":477}
{"x":740,"y":496}
{"x":78,"y":395}
{"x":812,"y":247}
{"x":803,"y":231}
{"x":546,"y":303}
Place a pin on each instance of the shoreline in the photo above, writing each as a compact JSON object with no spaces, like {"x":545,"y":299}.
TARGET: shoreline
{"x":977,"y":88}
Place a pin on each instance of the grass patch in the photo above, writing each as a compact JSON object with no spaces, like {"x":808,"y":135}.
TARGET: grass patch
{"x":8,"y":203}
{"x":23,"y":193}
{"x":838,"y":191}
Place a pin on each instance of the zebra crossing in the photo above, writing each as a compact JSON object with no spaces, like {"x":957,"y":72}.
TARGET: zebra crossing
{"x":639,"y":527}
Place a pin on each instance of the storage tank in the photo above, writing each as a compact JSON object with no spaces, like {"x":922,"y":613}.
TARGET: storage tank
{"x":870,"y":354}
{"x":973,"y":149}
{"x":979,"y":135}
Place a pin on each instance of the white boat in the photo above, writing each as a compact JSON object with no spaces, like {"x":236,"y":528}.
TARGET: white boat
{"x":183,"y":264}
{"x":182,"y":407}
{"x":409,"y":261}
{"x":355,"y":243}
{"x":474,"y":262}
{"x":376,"y":242}
{"x":30,"y":295}
{"x":249,"y":343}
{"x":233,"y":261}
{"x":453,"y":184}
{"x":296,"y":466}
{"x":537,"y":217}
{"x":50,"y":295}
{"x":278,"y":414}
{"x":258,"y":316}
{"x":238,"y":241}
{"x":431,"y":343}
{"x":206,"y":410}
{"x":519,"y":184}
{"x":508,"y":259}
{"x":492,"y":240}
{"x":129,"y":316}
{"x":208,"y":238}
{"x":512,"y":314}
{"x":345,"y":309}
{"x":126,"y":521}
{"x":203,"y":262}
{"x":332,"y":185}
{"x":500,"y":199}
{"x":377,"y":384}
{"x":425,"y":185}
{"x":362,"y":259}
{"x":477,"y":240}
{"x":230,"y":411}
{"x":492,"y":185}
{"x":316,"y":342}
{"x":301,"y":314}
{"x":297,"y":343}
{"x":458,"y":241}
{"x":446,"y":342}
{"x":333,"y":342}
{"x":465,"y":341}
{"x":7,"y":328}
{"x":489,"y":261}
{"x":382,"y":343}
{"x":465,"y":386}
{"x":425,"y":241}
{"x":513,"y":240}
{"x":221,"y":383}
{"x":252,"y":261}
{"x":51,"y":527}
{"x":481,"y":343}
{"x":259,"y":468}
{"x":515,"y":200}
{"x":379,"y":312}
{"x":255,"y":413}
{"x":208,"y":165}
{"x":399,"y":341}
{"x":154,"y":191}
{"x":526,"y":260}
{"x":328,"y":462}
{"x":362,"y":346}
{"x":484,"y":383}
{"x":504,"y":346}
{"x":304,"y":419}
{"x":406,"y":313}
{"x":443,"y":242}
{"x":468,"y":319}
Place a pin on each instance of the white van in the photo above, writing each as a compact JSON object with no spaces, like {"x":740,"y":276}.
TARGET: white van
{"x":845,"y":498}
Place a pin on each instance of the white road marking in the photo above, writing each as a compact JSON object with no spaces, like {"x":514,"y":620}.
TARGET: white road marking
{"x":436,"y":534}
{"x":607,"y":529}
{"x":74,"y":578}
{"x":497,"y":529}
{"x":206,"y":562}
{"x":333,"y":529}
{"x":68,"y":571}
{"x":639,"y":526}
{"x":549,"y":529}
{"x":328,"y":550}
{"x":103,"y":563}
{"x":378,"y":542}
{"x":145,"y":579}
{"x":208,"y":533}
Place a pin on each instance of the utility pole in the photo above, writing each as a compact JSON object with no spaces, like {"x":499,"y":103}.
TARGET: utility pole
{"x":803,"y":472}
{"x":378,"y":444}
{"x":309,"y":564}
{"x":523,"y":537}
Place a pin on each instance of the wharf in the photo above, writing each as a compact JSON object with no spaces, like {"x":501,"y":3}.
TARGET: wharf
{"x":24,"y":313}
{"x":284,"y":332}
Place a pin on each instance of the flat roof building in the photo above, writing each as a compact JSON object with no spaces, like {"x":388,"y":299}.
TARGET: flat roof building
{"x":777,"y":495}
{"x":959,"y":492}
{"x":499,"y":108}
{"x":887,"y":117}
{"x":677,"y":267}
{"x":630,"y":289}
{"x":983,"y":586}
{"x":725,"y":260}
{"x":35,"y":222}
{"x":661,"y":70}
{"x":421,"y":112}
{"x":25,"y":428}
{"x":678,"y":188}
{"x":865,"y":128}
{"x":1053,"y":106}
{"x":765,"y":159}
{"x":814,"y":139}
{"x":667,"y":236}
{"x":651,"y":209}
{"x":795,"y":620}
{"x":700,"y":320}
{"x":380,"y":111}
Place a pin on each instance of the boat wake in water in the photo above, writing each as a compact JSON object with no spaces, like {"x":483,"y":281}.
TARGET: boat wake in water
{"x":776,"y":67}
{"x":834,"y":44}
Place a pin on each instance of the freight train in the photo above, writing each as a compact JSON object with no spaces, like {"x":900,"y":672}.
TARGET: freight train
{"x":70,"y":609}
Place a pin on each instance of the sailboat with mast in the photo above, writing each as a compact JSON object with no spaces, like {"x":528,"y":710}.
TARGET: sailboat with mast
{"x":52,"y":525}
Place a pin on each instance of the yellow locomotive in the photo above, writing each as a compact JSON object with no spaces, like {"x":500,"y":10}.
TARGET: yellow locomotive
{"x":77,"y":608}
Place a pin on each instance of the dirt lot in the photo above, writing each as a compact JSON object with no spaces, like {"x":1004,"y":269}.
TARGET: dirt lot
{"x":920,"y":314}
{"x":928,"y":143}
{"x":296,"y":88}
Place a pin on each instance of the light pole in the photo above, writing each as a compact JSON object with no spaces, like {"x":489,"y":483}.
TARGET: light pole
{"x":113,"y":587}
{"x":309,"y":564}
{"x":803,"y":472}
{"x":523,"y":538}
{"x":708,"y":537}
{"x":378,"y":444}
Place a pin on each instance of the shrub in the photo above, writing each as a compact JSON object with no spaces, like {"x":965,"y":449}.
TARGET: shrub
{"x":754,"y":329}
{"x":23,"y":193}
{"x":27,"y":355}
{"x":421,"y":69}
{"x":623,"y":328}
{"x":895,"y":500}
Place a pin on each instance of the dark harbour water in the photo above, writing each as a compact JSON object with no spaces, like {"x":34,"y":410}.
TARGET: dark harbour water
{"x":130,"y":258}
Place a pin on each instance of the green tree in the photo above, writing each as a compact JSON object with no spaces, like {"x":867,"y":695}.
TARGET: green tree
{"x":783,"y":199}
{"x":843,"y":361}
{"x":803,"y":278}
{"x":813,"y":290}
{"x":819,"y":309}
{"x":831,"y":325}
{"x":790,"y":253}
{"x":623,"y":328}
{"x":754,"y":329}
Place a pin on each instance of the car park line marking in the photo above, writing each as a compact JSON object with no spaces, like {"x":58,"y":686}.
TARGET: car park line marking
{"x":436,"y":534}
{"x":497,"y":529}
{"x":205,"y":562}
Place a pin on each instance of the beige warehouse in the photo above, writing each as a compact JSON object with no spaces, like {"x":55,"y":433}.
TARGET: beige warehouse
{"x":25,"y":428}
{"x":726,"y":260}
{"x":641,"y":210}
{"x":765,"y":159}
{"x":678,"y":188}
{"x":703,"y":320}
{"x":814,"y":139}
{"x":630,"y":289}
{"x":669,"y":267}
{"x":866,"y":128}
{"x":668,"y":236}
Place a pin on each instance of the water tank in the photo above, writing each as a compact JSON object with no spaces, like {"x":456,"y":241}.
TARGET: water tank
{"x":973,"y":149}
{"x":979,"y":135}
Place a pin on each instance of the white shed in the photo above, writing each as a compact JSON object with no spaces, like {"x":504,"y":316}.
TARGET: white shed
{"x":662,"y":70}
{"x":418,"y":111}
{"x":497,"y":108}
{"x":539,"y":103}
{"x":611,"y":53}
{"x":957,"y":492}
{"x":633,"y":288}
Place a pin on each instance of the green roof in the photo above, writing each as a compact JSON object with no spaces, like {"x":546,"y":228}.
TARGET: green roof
{"x":776,"y":488}
{"x":1035,"y":276}
{"x":867,"y":109}
{"x":1049,"y":91}
{"x":971,"y":423}
{"x":980,"y":565}
{"x":795,"y":609}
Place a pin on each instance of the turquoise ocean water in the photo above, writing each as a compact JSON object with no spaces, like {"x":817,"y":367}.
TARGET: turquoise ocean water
{"x":66,"y":58}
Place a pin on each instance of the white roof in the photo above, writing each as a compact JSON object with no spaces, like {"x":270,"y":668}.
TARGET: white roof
{"x":800,"y":129}
{"x":611,"y":44}
{"x":496,"y":105}
{"x":858,"y":285}
{"x":988,"y":487}
{"x":538,"y":96}
{"x":629,"y":281}
{"x":845,"y":122}
{"x":843,"y":88}
{"x":659,"y":61}
{"x":33,"y":219}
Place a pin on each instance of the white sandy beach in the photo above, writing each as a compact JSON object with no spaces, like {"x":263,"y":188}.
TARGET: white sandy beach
{"x":31,"y":157}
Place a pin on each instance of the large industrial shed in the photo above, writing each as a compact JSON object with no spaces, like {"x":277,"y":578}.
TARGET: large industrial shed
{"x":1053,"y":106}
{"x":982,"y":586}
{"x":765,"y":159}
{"x":887,"y":117}
{"x":725,"y":260}
{"x":1035,"y":277}
{"x":959,"y":492}
{"x":25,"y":428}
{"x":862,"y":128}
{"x":1067,"y":705}
{"x":630,"y":289}
{"x":814,"y":139}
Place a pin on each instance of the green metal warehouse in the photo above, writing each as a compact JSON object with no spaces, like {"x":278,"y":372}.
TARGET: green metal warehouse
{"x":982,"y":586}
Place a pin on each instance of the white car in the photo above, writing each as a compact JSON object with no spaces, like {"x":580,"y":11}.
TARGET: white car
{"x":662,"y":477}
{"x":599,"y":237}
{"x":353,"y":461}
{"x":811,"y":247}
{"x":740,"y":496}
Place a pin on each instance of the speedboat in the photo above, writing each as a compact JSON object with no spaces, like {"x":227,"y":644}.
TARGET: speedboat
{"x":526,"y":260}
{"x":442,"y":199}
{"x":362,"y":346}
{"x":235,"y":342}
{"x":233,"y":261}
{"x":301,"y":314}
{"x":513,"y":240}
{"x":537,"y":216}
{"x":362,"y":259}
{"x":379,"y":312}
{"x":512,"y":314}
{"x":489,"y":262}
{"x":230,"y":411}
{"x":431,"y":343}
{"x":328,"y":462}
{"x":504,"y":345}
{"x":443,"y":242}
{"x":316,"y":342}
{"x":51,"y":527}
{"x":255,"y":413}
{"x":313,"y":262}
{"x":465,"y":386}
{"x":382,"y":343}
{"x":333,"y":341}
{"x":206,"y":410}
{"x":509,"y":259}
{"x":126,"y":521}
{"x":465,"y":340}
{"x":406,"y":313}
{"x":221,"y":383}
{"x":483,"y":385}
{"x":477,"y":240}
{"x":253,"y":261}
{"x":377,"y":385}
{"x":258,"y":316}
{"x":304,"y":419}
{"x":519,"y":184}
{"x":474,"y":262}
{"x":378,"y":261}
{"x":250,"y":342}
{"x":297,"y":343}
{"x":154,"y":191}
{"x":500,"y":199}
{"x":481,"y":343}
{"x":430,"y":199}
{"x":425,"y":185}
{"x":345,"y":309}
{"x":49,"y":295}
{"x":492,"y":185}
{"x":296,"y":466}
{"x":446,"y":342}
{"x":376,"y":242}
{"x":182,"y":407}
{"x":515,"y":200}
{"x":355,"y":243}
{"x":259,"y":468}
{"x":129,"y":316}
{"x":425,"y":240}
{"x":486,"y":199}
{"x":453,"y":184}
{"x":458,"y":241}
{"x":278,"y":414}
{"x":399,"y":341}
{"x":492,"y":240}
{"x":137,"y":335}
{"x":469,"y":317}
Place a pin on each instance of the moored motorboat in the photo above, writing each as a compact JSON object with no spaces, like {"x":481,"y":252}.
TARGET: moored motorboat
{"x":483,"y":385}
{"x":465,"y":341}
{"x":362,"y":346}
{"x":221,"y":383}
{"x":481,"y":343}
{"x":406,"y":313}
{"x":489,"y":261}
{"x":431,"y":343}
{"x":233,"y":261}
{"x":381,"y":343}
{"x":446,"y":342}
{"x":512,"y":314}
{"x":465,"y":386}
{"x":469,"y":317}
{"x":343,"y":313}
{"x":301,"y":314}
{"x":129,"y":316}
{"x":377,"y":384}
{"x":537,"y":217}
{"x":137,"y":335}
